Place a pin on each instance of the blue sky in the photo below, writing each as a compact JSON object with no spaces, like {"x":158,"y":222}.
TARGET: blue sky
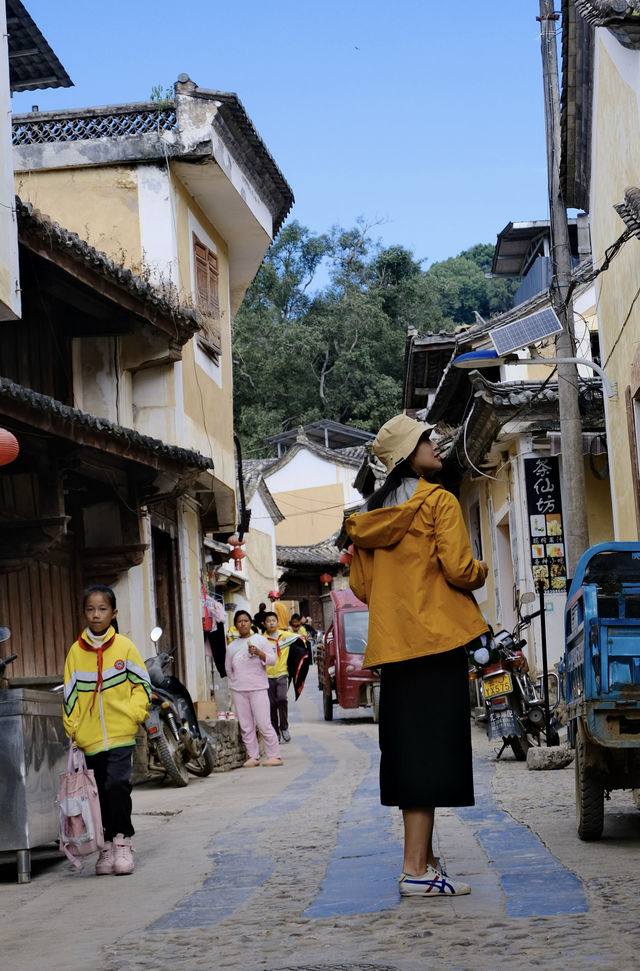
{"x":423,"y":115}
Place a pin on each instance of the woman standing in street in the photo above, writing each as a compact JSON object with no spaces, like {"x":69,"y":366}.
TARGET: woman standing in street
{"x":246,"y":660}
{"x":414,"y":568}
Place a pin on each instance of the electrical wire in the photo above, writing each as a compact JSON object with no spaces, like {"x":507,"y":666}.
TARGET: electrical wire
{"x":624,"y":324}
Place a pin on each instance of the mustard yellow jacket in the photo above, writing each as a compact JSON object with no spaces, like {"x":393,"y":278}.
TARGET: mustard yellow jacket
{"x":414,"y":568}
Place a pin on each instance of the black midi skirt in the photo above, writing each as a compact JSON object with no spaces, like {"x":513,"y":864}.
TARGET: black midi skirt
{"x":425,"y":732}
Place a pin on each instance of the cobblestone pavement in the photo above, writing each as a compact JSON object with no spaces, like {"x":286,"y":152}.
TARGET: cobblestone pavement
{"x":296,"y":868}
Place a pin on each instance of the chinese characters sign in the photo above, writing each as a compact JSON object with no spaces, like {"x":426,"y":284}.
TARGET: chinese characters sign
{"x":544,"y":506}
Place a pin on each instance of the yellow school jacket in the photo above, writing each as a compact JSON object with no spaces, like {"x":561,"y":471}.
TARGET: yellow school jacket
{"x":108,"y":717}
{"x":414,"y":568}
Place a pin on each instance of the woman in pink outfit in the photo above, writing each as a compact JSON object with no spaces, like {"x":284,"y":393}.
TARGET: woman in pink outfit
{"x":247,"y":657}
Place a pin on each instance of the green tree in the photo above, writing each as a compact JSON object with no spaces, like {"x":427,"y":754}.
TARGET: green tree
{"x":304,"y":352}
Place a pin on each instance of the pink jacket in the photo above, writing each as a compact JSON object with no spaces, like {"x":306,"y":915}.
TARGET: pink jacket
{"x":245,"y":671}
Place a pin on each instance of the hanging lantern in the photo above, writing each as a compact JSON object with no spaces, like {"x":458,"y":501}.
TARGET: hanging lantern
{"x":234,"y":540}
{"x":237,"y":555}
{"x":345,"y":558}
{"x":9,"y":447}
{"x":326,"y":579}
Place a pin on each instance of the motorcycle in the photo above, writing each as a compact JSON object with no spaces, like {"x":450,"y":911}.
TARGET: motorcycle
{"x":176,"y":743}
{"x":513,"y":703}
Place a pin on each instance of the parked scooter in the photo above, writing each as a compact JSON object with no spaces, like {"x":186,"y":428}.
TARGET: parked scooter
{"x":176,"y":744}
{"x":513,"y":702}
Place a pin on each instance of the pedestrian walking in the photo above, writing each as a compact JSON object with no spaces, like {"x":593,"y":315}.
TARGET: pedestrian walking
{"x":278,"y":676}
{"x":106,"y":697}
{"x":258,"y":618}
{"x":247,"y":657}
{"x":414,"y":568}
{"x":279,"y":609}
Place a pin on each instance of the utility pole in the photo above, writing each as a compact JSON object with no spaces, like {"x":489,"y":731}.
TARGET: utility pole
{"x":574,"y":500}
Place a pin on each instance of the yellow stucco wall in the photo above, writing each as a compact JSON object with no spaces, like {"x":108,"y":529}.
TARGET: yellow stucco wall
{"x":98,"y":203}
{"x":615,"y":166}
{"x":599,"y":514}
{"x":208,"y":406}
{"x":311,"y":515}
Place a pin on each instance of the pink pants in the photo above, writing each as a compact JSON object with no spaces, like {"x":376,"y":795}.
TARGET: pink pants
{"x":252,"y":708}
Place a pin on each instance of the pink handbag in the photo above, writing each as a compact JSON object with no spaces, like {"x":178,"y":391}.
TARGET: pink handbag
{"x":81,"y":830}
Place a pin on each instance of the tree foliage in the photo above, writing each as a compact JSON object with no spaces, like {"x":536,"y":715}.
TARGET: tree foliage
{"x":304,"y":351}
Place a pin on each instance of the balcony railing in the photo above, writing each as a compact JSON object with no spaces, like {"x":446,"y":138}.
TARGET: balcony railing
{"x":80,"y":126}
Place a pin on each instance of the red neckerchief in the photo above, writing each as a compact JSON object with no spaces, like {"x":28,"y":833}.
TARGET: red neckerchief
{"x":270,"y":637}
{"x":96,"y":650}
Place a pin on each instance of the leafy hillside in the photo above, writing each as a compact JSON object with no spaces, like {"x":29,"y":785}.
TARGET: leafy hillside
{"x":302,"y":352}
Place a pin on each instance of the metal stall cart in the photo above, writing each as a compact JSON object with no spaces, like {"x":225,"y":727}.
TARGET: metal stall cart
{"x":33,"y":752}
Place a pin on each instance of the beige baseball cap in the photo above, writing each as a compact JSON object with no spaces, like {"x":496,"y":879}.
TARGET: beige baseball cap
{"x":397,"y":439}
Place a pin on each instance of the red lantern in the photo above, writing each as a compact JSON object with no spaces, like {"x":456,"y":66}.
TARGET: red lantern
{"x":345,"y":558}
{"x":326,"y":578}
{"x":234,"y":540}
{"x":9,"y":447}
{"x":237,"y":555}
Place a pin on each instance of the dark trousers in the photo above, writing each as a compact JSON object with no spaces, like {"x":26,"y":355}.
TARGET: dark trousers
{"x":112,"y":770}
{"x":278,"y":703}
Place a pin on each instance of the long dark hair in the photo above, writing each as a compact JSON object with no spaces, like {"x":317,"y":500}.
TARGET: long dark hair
{"x":401,"y":471}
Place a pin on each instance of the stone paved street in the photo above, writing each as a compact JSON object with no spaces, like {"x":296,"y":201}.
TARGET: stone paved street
{"x":296,"y":867}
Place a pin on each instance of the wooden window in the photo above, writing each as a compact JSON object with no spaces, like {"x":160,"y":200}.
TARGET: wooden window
{"x":207,"y":297}
{"x":206,"y":264}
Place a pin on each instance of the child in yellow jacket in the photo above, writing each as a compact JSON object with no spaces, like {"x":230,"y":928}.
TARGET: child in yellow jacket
{"x":106,"y":696}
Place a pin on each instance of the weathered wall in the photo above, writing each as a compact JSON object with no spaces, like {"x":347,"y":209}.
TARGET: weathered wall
{"x":616,"y":149}
{"x":260,"y":557}
{"x":100,"y":204}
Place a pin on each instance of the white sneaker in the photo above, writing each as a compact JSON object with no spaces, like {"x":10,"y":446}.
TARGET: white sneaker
{"x":122,"y":854}
{"x":431,"y":884}
{"x":104,"y":863}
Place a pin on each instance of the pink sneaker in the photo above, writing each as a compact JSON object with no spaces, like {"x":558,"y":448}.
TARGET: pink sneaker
{"x":122,"y":855}
{"x":104,"y":863}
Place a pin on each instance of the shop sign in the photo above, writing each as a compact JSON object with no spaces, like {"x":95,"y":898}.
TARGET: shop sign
{"x":546,"y":533}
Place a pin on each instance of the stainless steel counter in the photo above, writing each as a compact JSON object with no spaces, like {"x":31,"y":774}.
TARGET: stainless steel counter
{"x":33,"y":752}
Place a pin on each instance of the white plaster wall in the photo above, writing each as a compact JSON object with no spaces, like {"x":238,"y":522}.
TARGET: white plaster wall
{"x":189,"y":545}
{"x":9,"y":284}
{"x":154,"y":409}
{"x":306,"y":470}
{"x":240,"y":182}
{"x":262,"y":521}
{"x":261,"y":576}
{"x":96,"y":377}
{"x":158,"y":235}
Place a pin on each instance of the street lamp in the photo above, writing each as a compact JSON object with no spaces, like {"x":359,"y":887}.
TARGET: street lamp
{"x":488,"y":358}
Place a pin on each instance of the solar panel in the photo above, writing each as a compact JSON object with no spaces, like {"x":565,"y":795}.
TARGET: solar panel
{"x":526,"y":331}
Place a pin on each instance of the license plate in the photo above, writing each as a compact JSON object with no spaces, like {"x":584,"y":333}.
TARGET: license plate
{"x":500,"y":685}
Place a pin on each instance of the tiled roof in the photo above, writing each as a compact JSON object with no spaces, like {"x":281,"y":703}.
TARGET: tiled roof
{"x":33,"y":222}
{"x":32,"y":63}
{"x":319,"y":554}
{"x":622,"y":19}
{"x":62,"y":418}
{"x":350,"y":457}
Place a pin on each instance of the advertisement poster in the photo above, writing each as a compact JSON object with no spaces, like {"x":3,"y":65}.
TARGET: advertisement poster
{"x":546,"y":535}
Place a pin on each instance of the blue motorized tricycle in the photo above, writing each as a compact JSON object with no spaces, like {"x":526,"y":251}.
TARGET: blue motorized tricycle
{"x":601,"y":677}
